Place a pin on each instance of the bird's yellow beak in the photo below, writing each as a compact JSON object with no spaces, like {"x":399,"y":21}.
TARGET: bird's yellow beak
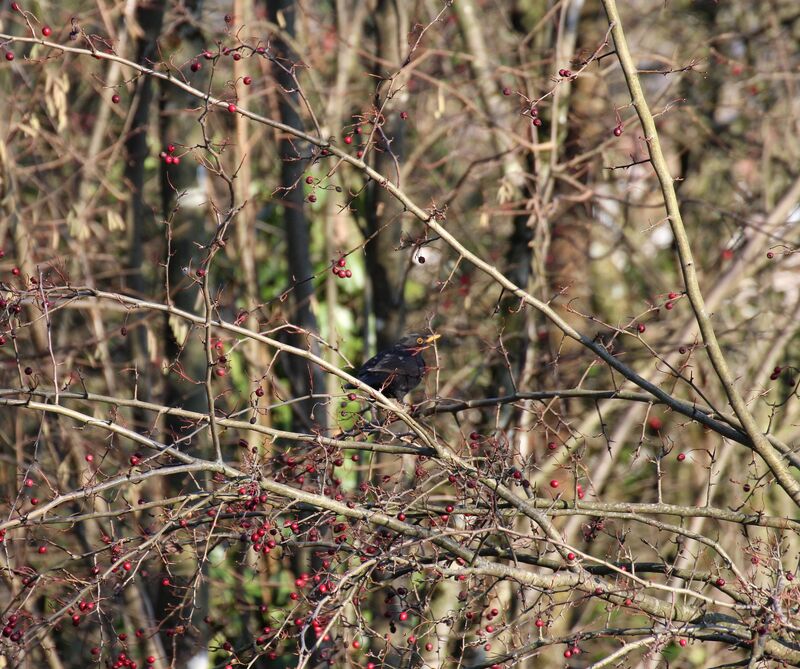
{"x":432,"y":338}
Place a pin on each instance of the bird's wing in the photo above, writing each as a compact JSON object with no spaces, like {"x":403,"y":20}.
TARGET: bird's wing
{"x":391,"y":362}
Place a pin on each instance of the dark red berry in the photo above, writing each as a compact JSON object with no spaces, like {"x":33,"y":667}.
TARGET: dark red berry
{"x":195,"y":66}
{"x":537,"y":122}
{"x":115,"y":98}
{"x":47,"y":31}
{"x":770,"y":255}
{"x":618,"y":131}
{"x":506,"y":91}
{"x":247,"y":81}
{"x":348,"y":273}
{"x":237,"y":56}
{"x":404,"y":115}
{"x":641,"y":328}
{"x":312,"y":198}
{"x":309,"y":180}
{"x":9,"y":56}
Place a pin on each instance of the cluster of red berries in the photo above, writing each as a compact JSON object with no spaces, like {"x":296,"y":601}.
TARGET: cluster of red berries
{"x":340,"y":268}
{"x":168,"y":156}
{"x":535,"y":117}
{"x":775,"y":373}
{"x":564,"y":72}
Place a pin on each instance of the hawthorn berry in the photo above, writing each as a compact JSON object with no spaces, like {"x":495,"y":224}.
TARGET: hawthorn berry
{"x":195,"y":66}
{"x":681,"y":457}
{"x":348,"y":139}
{"x":309,"y":180}
{"x":47,"y":31}
{"x":554,"y":483}
{"x":247,"y":81}
{"x":618,"y":130}
{"x":9,"y":56}
{"x":232,"y":108}
{"x":115,"y":98}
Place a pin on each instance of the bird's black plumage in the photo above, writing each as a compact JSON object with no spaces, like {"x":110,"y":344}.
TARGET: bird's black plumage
{"x":396,"y":371}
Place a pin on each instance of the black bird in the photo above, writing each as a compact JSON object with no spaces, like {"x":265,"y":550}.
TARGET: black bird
{"x":399,"y":369}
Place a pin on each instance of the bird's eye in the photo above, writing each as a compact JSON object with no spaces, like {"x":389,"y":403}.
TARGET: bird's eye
{"x":420,"y":340}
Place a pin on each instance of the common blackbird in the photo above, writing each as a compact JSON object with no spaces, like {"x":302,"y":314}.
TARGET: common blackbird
{"x":399,"y":369}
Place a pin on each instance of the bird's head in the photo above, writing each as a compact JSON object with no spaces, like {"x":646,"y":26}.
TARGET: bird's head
{"x":417,"y":341}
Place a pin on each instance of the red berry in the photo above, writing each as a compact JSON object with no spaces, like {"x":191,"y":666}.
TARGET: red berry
{"x":195,"y":66}
{"x":539,"y":623}
{"x":682,"y":642}
{"x":247,"y":81}
{"x":570,"y":556}
{"x":681,"y":457}
{"x":165,"y":582}
{"x":403,"y":616}
{"x":554,"y":483}
{"x":404,"y":115}
{"x":341,"y":262}
{"x":668,"y":306}
{"x":309,"y":180}
{"x":720,"y":582}
{"x":552,"y":446}
{"x":672,"y":296}
{"x":15,"y":6}
{"x":42,"y":550}
{"x":47,"y":31}
{"x":89,"y":457}
{"x":618,"y":131}
{"x":15,"y":271}
{"x":640,"y":328}
{"x":9,"y":56}
{"x":537,"y":122}
{"x":655,"y":423}
{"x":127,"y":566}
{"x":348,"y":139}
{"x":115,"y":98}
{"x":348,"y":273}
{"x":232,"y":108}
{"x":237,"y":56}
{"x":770,"y":255}
{"x":506,"y":91}
{"x":312,"y":198}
